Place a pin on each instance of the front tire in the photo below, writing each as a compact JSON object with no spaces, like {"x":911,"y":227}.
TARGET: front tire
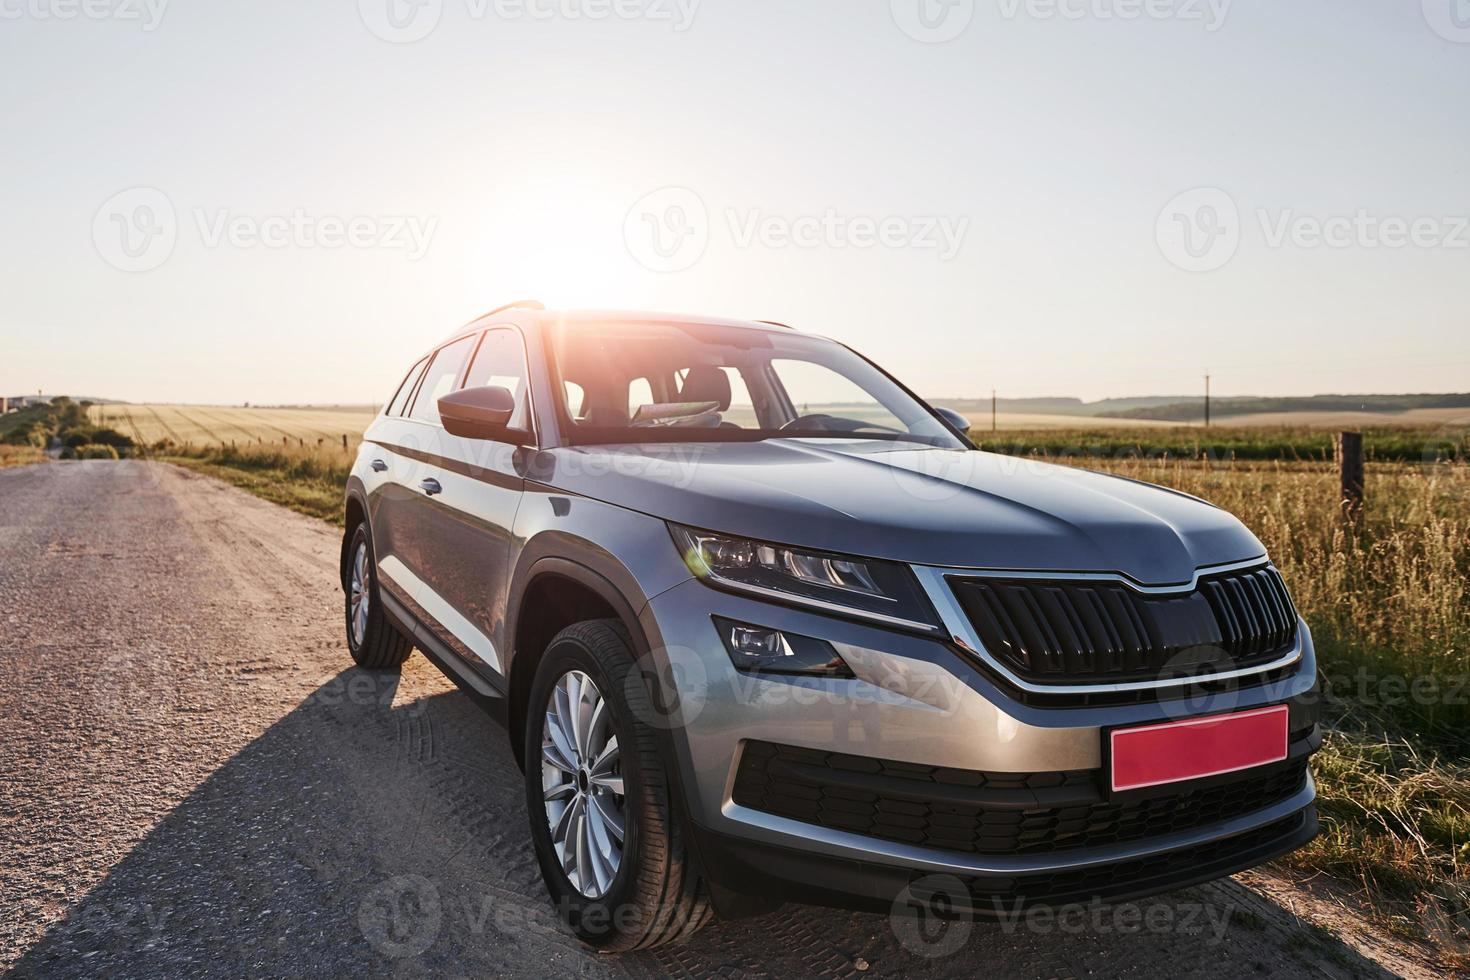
{"x":373,"y":640}
{"x":607,"y":836}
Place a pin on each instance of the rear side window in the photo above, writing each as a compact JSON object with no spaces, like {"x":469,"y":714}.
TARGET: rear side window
{"x":640,"y":393}
{"x":439,"y":379}
{"x":501,"y":361}
{"x":395,"y":406}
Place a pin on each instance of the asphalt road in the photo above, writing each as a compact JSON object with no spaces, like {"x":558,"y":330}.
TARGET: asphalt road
{"x":195,"y":781}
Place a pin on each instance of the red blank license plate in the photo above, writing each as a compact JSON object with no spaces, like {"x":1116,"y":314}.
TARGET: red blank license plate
{"x":1155,"y":754}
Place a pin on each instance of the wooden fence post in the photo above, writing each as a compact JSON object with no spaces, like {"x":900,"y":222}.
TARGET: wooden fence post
{"x":344,"y":442}
{"x":1350,"y":471}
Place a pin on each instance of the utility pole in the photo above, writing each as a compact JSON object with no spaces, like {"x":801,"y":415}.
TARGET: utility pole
{"x":1207,"y":401}
{"x":992,"y":409}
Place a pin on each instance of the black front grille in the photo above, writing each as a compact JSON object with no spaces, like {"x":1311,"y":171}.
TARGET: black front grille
{"x":1075,"y":631}
{"x":987,"y":813}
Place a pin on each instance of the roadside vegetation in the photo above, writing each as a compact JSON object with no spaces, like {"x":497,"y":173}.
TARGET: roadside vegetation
{"x":1221,"y":444}
{"x":1387,"y":597}
{"x":19,"y":455}
{"x":308,"y":479}
{"x":63,"y":424}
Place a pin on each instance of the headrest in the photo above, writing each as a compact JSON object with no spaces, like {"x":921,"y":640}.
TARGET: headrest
{"x":706,"y":384}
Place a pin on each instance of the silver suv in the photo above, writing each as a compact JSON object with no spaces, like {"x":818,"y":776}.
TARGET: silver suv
{"x":764,"y":626}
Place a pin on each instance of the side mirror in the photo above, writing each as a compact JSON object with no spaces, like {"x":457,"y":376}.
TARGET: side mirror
{"x":477,"y":413}
{"x":955,"y":419}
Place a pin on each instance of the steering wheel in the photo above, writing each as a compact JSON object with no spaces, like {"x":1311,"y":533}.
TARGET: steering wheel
{"x":833,"y":423}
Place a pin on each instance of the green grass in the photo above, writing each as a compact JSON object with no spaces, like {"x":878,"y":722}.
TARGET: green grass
{"x":1395,"y":819}
{"x":1402,"y":444}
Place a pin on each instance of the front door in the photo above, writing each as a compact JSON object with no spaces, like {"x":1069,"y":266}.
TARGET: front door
{"x":464,"y":527}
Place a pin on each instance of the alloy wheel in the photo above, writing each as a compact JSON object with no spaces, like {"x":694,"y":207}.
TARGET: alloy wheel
{"x":359,"y":598}
{"x":582,"y":784}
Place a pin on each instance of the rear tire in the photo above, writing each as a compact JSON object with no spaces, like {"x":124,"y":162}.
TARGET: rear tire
{"x":655,"y":895}
{"x":373,"y":640}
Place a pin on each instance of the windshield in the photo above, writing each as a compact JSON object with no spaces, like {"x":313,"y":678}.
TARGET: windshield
{"x":682,"y":382}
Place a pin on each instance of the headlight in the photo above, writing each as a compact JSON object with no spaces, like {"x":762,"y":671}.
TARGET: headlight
{"x":878,"y":590}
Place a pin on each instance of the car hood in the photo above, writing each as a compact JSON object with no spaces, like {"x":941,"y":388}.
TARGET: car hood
{"x":920,"y":505}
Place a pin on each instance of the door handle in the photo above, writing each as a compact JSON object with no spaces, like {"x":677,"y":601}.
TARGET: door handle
{"x":430,"y":486}
{"x":379,"y":466}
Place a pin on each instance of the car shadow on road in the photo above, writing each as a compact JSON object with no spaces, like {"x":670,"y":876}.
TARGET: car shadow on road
{"x":373,"y":831}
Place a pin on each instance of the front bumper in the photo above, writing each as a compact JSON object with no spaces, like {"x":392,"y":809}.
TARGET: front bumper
{"x":917,"y":701}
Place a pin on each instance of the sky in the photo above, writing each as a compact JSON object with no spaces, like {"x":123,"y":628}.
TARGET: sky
{"x":284,"y":203}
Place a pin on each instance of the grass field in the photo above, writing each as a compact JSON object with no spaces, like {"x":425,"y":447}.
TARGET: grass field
{"x":1251,"y":436}
{"x":213,"y":425}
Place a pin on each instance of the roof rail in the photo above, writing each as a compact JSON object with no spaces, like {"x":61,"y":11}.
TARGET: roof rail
{"x":777,"y":323}
{"x":520,"y":304}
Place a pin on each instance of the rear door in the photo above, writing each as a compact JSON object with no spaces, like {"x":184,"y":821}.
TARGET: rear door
{"x":462,"y":530}
{"x":383,"y":479}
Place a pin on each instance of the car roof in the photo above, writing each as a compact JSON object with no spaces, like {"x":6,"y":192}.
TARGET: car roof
{"x":532,"y":316}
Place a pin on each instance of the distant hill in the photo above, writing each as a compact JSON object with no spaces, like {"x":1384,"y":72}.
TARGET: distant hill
{"x":1193,"y":409}
{"x":1060,"y":405}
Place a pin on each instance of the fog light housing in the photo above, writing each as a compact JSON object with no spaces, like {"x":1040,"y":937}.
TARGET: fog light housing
{"x":762,"y":650}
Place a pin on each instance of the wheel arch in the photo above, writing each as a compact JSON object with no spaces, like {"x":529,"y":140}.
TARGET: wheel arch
{"x":354,"y":512}
{"x":554,"y":593}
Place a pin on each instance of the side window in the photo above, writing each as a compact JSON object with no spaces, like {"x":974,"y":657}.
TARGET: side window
{"x":742,"y":408}
{"x":576,"y":400}
{"x":439,"y":379}
{"x":395,"y":406}
{"x":640,"y":393}
{"x":501,"y":361}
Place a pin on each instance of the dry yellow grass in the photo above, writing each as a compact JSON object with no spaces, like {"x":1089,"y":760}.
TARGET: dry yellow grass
{"x":1388,"y":601}
{"x":213,"y":425}
{"x":19,"y":455}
